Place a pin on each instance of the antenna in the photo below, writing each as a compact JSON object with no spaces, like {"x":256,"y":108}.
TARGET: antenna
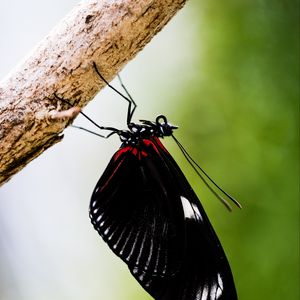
{"x":201,"y":173}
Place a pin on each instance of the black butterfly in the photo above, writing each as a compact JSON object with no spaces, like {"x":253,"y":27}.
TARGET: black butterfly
{"x":148,"y":214}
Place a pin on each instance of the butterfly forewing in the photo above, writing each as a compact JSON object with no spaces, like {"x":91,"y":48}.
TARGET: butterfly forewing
{"x":131,"y":209}
{"x":145,"y":210}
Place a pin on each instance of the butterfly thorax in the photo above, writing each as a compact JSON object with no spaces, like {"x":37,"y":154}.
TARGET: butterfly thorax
{"x":145,"y":130}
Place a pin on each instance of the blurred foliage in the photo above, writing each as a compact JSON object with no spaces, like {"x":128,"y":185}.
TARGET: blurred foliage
{"x":240,"y":120}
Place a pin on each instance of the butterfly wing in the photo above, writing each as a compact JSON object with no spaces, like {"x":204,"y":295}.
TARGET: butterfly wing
{"x":145,"y":210}
{"x":131,"y":209}
{"x":205,"y":273}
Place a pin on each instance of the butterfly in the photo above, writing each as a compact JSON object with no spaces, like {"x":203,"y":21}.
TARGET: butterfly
{"x":148,"y":214}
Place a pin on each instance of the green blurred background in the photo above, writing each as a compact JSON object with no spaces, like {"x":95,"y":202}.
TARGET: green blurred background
{"x":245,"y":98}
{"x":226,"y":72}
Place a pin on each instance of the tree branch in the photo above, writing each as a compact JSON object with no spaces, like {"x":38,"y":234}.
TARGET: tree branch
{"x":107,"y":32}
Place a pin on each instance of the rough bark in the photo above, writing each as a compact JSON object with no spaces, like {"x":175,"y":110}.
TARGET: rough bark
{"x":109,"y":33}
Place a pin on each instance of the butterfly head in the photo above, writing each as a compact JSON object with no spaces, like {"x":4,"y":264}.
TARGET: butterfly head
{"x":163,"y":127}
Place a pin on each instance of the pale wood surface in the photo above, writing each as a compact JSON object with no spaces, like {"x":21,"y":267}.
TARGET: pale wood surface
{"x":109,"y":33}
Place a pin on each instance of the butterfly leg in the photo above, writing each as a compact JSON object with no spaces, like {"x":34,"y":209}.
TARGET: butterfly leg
{"x":131,"y":104}
{"x":111,"y":129}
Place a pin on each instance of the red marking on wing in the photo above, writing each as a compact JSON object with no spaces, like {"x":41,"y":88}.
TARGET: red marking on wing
{"x":140,"y":150}
{"x":156,"y":144}
{"x":121,"y":151}
{"x":112,"y":174}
